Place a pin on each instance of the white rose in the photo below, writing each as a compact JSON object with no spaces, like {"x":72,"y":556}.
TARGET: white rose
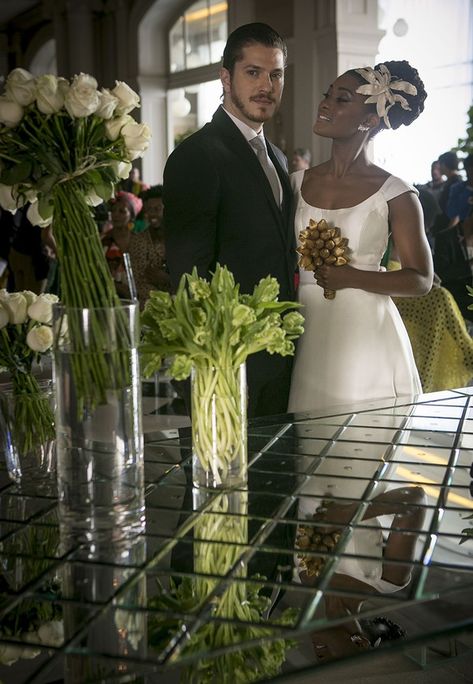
{"x":35,"y":217}
{"x":21,"y":87}
{"x":82,"y":98}
{"x":7,"y":200}
{"x":11,"y":113}
{"x":4,"y":317}
{"x":114,"y":126}
{"x":92,"y":199}
{"x":52,"y":633}
{"x":108,"y":104}
{"x":127,"y":98}
{"x":121,"y":169}
{"x":49,"y":98}
{"x":41,"y":309}
{"x":40,"y":339}
{"x":29,"y":296}
{"x":137,"y":137}
{"x":16,"y":306}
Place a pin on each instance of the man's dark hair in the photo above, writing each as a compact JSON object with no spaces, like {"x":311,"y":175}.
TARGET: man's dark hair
{"x":450,"y":160}
{"x":250,"y":34}
{"x":152,"y":193}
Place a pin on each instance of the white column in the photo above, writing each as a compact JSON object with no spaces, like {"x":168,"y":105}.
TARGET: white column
{"x":358,"y":34}
{"x":153,"y":112}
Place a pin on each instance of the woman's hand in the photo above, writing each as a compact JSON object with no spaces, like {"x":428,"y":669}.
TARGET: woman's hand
{"x":335,"y":277}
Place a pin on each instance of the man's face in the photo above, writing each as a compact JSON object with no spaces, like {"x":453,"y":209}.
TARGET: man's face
{"x":153,"y":211}
{"x":253,"y":92}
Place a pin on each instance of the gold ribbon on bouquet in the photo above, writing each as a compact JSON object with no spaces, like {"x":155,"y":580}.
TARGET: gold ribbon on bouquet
{"x":318,"y":245}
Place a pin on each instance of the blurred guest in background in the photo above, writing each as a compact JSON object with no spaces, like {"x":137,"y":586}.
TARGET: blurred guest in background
{"x":116,"y":241}
{"x":301,"y":159}
{"x":147,"y":252}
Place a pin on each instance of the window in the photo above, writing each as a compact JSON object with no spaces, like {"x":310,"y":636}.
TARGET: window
{"x":196,"y":44}
{"x":198,"y":36}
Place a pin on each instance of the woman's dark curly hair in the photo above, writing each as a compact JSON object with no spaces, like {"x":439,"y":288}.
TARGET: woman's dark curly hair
{"x":401,"y":71}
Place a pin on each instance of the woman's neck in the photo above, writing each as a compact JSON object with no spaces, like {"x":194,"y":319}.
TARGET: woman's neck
{"x":347,"y":158}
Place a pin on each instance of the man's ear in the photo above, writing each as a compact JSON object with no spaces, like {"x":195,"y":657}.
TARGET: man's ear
{"x":226,"y":79}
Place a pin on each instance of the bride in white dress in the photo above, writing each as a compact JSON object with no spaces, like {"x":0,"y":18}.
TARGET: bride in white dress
{"x":355,"y":347}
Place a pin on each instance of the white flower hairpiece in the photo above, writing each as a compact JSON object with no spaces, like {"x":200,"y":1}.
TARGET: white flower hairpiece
{"x":380,"y":88}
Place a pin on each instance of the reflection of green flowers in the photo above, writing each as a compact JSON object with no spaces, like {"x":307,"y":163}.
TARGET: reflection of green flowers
{"x":237,"y":614}
{"x":467,"y":532}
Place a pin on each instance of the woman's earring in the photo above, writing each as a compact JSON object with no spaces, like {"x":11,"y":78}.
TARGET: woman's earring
{"x":363,"y":128}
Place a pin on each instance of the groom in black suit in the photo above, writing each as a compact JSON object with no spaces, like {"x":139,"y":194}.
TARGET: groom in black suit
{"x":224,"y":204}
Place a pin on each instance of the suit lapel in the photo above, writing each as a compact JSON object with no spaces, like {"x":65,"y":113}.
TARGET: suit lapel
{"x":236,"y":141}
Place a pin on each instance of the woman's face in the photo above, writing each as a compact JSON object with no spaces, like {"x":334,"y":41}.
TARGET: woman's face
{"x":342,"y":109}
{"x":121,"y":214}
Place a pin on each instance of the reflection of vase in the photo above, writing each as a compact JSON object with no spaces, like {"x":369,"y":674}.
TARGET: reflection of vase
{"x":117,"y":634}
{"x":223,"y":519}
{"x":219,"y":425}
{"x":98,"y":421}
{"x":27,"y":435}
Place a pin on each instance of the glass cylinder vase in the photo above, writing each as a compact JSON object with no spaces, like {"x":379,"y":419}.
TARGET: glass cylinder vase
{"x":27,"y":434}
{"x":219,"y":426}
{"x":98,"y":422}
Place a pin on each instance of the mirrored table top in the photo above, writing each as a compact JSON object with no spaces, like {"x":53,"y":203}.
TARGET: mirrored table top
{"x":361,"y":513}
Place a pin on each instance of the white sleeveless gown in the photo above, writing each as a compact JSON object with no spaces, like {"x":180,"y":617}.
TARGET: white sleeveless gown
{"x":354,"y":347}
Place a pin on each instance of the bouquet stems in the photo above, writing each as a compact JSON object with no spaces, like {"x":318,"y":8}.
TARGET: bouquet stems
{"x":33,"y":417}
{"x":86,"y":284}
{"x":219,"y":423}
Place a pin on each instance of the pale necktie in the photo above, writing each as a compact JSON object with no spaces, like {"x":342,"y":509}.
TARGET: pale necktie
{"x":259,"y":145}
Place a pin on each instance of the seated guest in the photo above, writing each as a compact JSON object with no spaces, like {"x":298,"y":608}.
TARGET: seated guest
{"x":147,"y":250}
{"x":116,"y":241}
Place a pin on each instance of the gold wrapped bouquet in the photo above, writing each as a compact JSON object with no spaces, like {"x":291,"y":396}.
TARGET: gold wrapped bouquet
{"x":318,"y":245}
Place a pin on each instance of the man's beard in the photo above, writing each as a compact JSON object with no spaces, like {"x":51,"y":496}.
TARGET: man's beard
{"x":256,"y":118}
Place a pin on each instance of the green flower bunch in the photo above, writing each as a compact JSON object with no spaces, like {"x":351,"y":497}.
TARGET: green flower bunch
{"x":210,"y":324}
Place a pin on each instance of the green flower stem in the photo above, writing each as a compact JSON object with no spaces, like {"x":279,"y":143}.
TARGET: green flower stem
{"x":219,"y":429}
{"x":87,"y":284}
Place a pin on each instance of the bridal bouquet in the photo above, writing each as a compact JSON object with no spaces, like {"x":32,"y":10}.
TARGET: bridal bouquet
{"x":25,"y":336}
{"x":64,"y":144}
{"x":318,"y":245}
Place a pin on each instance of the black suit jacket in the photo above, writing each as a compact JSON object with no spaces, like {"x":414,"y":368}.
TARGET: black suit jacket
{"x":219,"y":208}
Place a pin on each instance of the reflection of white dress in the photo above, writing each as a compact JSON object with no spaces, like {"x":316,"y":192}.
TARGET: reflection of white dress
{"x":354,"y":347}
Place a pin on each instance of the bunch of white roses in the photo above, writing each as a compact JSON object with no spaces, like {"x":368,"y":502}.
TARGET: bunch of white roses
{"x":42,"y":120}
{"x":25,"y":328}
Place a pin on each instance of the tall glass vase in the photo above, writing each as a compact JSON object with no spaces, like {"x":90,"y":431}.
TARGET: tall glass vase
{"x":219,"y":426}
{"x":98,"y":422}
